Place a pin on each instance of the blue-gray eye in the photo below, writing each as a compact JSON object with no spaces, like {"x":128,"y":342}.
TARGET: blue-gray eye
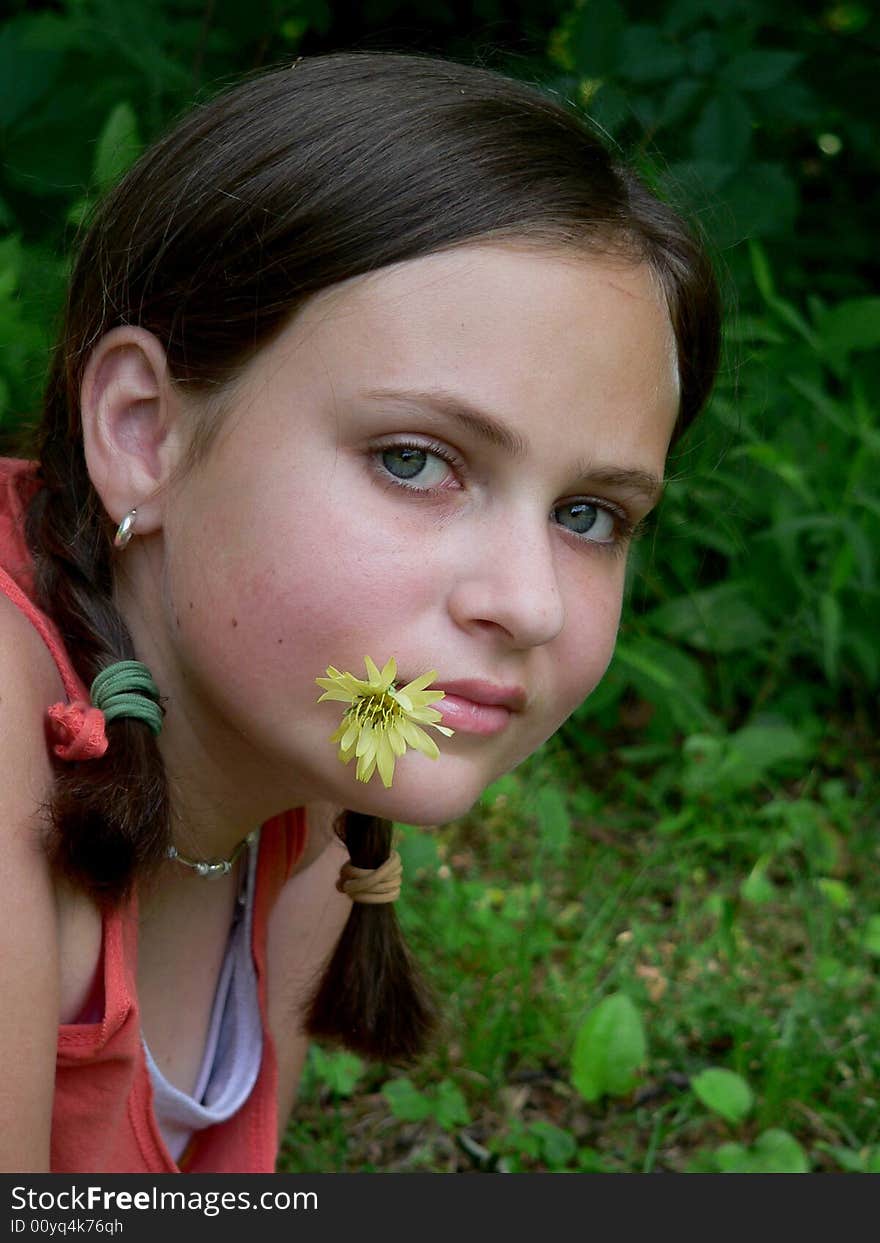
{"x":409,"y":462}
{"x":404,"y":463}
{"x":584,"y":518}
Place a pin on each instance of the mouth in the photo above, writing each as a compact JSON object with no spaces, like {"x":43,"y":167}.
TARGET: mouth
{"x":478,"y":707}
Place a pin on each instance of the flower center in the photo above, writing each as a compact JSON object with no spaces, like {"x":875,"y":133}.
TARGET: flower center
{"x":377,"y":711}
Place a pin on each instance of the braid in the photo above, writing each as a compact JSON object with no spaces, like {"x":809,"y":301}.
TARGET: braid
{"x":371,"y":996}
{"x":109,"y":821}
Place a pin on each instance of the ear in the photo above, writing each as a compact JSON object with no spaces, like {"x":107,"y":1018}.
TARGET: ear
{"x":132,"y":424}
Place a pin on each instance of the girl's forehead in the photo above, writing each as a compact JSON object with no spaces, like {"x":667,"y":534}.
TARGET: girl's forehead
{"x":492,"y":317}
{"x":567,"y":361}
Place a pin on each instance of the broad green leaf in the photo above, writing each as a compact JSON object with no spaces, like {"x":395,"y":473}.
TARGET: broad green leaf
{"x":665,"y":675}
{"x":647,"y":56}
{"x":558,"y":1147}
{"x":554,"y":822}
{"x":118,"y":146}
{"x":758,"y":70}
{"x":721,"y":767}
{"x":774,"y":1152}
{"x":871,"y":936}
{"x":724,"y":130}
{"x":31,"y":51}
{"x":677,"y":100}
{"x":406,"y":1102}
{"x":761,"y":203}
{"x":758,"y":888}
{"x":449,"y":1106}
{"x":718,"y":619}
{"x":609,"y":1049}
{"x":837,"y":892}
{"x":594,"y":37}
{"x":851,"y":325}
{"x":725,"y":1093}
{"x":339,"y":1070}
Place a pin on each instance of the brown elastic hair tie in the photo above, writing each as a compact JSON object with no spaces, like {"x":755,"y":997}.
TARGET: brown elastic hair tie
{"x":372,"y":885}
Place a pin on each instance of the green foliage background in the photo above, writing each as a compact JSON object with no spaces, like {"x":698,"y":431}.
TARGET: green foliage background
{"x":747,"y":669}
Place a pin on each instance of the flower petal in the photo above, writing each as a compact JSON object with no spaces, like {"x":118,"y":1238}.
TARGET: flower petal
{"x":366,"y":742}
{"x":342,"y":696}
{"x":419,"y":684}
{"x":397,"y":740}
{"x":385,"y":761}
{"x":375,"y":677}
{"x":420,"y":740}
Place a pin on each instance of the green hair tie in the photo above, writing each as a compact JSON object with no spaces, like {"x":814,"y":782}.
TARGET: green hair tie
{"x":127,"y":689}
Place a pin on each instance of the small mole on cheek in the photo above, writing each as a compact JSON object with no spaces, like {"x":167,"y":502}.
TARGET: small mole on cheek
{"x":190,"y":604}
{"x":234,"y":622}
{"x":280,"y":640}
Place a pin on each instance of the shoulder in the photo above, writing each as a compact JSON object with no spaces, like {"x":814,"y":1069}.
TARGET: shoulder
{"x":29,"y":941}
{"x":29,"y":683}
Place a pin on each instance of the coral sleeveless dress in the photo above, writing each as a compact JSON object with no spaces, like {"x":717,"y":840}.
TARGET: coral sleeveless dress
{"x":103,"y":1119}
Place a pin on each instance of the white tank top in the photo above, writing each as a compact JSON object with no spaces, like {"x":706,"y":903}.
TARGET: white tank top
{"x":234,"y":1045}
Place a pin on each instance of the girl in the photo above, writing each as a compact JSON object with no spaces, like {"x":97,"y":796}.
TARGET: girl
{"x":375,"y":359}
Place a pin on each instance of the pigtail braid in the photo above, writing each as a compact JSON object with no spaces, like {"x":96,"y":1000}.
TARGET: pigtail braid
{"x":372,"y":997}
{"x":108,"y":818}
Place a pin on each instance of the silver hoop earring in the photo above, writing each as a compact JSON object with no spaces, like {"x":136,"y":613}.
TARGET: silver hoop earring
{"x":125,"y":530}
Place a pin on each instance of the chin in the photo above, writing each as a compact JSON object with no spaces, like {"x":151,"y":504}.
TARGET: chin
{"x":413,"y":799}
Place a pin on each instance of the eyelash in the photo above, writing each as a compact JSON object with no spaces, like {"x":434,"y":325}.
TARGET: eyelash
{"x":627,"y":530}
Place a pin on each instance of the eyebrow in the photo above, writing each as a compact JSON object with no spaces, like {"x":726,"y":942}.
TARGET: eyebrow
{"x":493,"y":431}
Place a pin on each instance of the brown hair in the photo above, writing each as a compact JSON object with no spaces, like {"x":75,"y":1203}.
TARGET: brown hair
{"x":287,"y":184}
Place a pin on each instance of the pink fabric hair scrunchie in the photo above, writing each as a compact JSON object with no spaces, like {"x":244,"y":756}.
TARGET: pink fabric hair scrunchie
{"x":78,"y":730}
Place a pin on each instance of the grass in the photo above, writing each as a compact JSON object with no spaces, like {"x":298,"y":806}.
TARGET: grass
{"x":744,"y":930}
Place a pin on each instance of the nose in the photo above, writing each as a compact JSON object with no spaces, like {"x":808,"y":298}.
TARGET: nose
{"x":507,"y":579}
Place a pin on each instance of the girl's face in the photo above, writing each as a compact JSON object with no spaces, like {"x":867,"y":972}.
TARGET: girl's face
{"x":435,"y":462}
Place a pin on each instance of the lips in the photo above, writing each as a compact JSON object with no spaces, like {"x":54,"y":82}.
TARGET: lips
{"x":488,"y":694}
{"x":466,"y":717}
{"x":478,"y":707}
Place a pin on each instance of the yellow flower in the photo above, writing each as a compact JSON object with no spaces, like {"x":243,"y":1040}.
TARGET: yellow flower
{"x":381,"y":720}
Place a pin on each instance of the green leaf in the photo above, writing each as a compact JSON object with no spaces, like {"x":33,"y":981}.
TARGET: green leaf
{"x":725,"y":1093}
{"x":851,"y":325}
{"x":558,"y":1147}
{"x":449,"y":1106}
{"x":761,"y":272}
{"x":339,"y":1070}
{"x":677,"y":100}
{"x":871,"y":936}
{"x":837,"y":892}
{"x":594,"y":37}
{"x":757,"y":888}
{"x":609,"y":1049}
{"x":31,"y":52}
{"x":724,"y":130}
{"x":554,"y":822}
{"x":118,"y":146}
{"x":666,"y":676}
{"x":762,"y":203}
{"x":774,"y":1152}
{"x":758,"y":70}
{"x":831,"y":627}
{"x":406,"y":1102}
{"x":647,"y":56}
{"x":721,"y":767}
{"x":718,"y":619}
